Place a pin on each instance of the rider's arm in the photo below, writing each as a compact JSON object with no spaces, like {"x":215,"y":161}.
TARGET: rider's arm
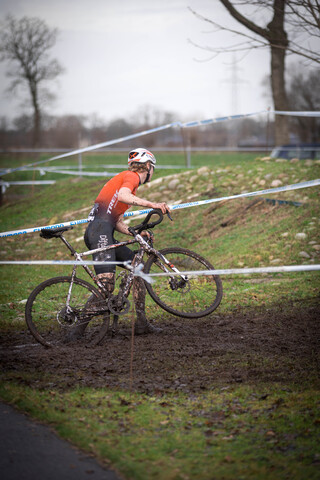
{"x":121,"y":226}
{"x":126,"y":196}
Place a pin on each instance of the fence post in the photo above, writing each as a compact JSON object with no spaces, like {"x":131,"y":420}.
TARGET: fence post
{"x":189,"y":156}
{"x":1,"y":192}
{"x":186,"y":143}
{"x":80,"y":156}
{"x":80,"y":164}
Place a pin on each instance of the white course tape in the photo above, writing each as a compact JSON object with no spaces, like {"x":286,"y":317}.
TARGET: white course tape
{"x":91,"y":148}
{"x":208,"y":121}
{"x":239,"y":271}
{"x":29,"y":182}
{"x":75,"y":168}
{"x":295,"y":186}
{"x":149,"y":277}
{"x":130,"y":137}
{"x":195,"y":123}
{"x":83,"y":173}
{"x":297,"y":114}
{"x":38,"y":229}
{"x":5,"y":185}
{"x":62,"y":262}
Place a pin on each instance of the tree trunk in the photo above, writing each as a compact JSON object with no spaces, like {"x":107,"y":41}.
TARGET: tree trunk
{"x":279,"y":95}
{"x":36,"y":128}
{"x":278,"y":40}
{"x":36,"y":116}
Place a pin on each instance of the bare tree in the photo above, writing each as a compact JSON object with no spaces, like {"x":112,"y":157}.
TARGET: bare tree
{"x":285,"y":33}
{"x":25,"y":44}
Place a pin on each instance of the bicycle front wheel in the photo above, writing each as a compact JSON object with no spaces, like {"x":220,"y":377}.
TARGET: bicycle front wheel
{"x":189,"y":296}
{"x":53,"y":320}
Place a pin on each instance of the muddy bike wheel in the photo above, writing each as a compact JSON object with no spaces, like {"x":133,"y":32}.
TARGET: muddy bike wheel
{"x":52,"y":324}
{"x":195,"y":297}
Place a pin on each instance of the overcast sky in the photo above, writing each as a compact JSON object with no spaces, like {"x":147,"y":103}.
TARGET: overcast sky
{"x":121,"y":54}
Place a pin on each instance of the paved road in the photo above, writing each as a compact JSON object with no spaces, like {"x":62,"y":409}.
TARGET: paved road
{"x":31,"y":451}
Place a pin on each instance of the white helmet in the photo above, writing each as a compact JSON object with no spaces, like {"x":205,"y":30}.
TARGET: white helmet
{"x":141,"y":155}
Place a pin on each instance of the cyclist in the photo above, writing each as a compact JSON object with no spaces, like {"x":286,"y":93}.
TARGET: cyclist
{"x":117,"y":195}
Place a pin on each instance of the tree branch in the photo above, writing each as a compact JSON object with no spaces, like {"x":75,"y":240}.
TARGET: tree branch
{"x":220,"y":27}
{"x":262,"y":32}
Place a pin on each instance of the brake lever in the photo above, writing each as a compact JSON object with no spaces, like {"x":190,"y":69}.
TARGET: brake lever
{"x":169,"y":216}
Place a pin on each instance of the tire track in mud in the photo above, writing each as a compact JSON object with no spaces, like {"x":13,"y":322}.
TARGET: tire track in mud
{"x":279,"y":345}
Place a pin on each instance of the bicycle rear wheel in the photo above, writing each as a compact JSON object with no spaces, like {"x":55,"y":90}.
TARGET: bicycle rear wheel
{"x":52,"y":323}
{"x":192,"y":297}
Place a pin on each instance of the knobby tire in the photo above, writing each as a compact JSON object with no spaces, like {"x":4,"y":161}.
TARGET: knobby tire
{"x":199,"y":297}
{"x":48,"y":321}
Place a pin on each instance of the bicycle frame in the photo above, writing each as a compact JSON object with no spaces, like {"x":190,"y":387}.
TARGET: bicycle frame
{"x":144,"y":248}
{"x":79,"y":256}
{"x":72,"y":301}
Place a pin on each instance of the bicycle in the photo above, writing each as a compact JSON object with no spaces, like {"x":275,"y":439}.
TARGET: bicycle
{"x":58,"y":305}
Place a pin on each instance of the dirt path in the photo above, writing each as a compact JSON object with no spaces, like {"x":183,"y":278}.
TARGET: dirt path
{"x":280,"y":344}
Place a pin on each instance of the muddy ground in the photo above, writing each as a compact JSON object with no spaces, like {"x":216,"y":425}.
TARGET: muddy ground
{"x":278,"y":345}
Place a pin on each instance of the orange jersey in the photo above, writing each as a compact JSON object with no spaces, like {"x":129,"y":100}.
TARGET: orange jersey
{"x":108,"y":205}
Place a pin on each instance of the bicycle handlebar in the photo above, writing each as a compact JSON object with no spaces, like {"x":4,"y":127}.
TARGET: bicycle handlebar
{"x":145,"y":225}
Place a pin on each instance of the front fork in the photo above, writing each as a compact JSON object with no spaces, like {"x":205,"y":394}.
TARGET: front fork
{"x":172,"y":280}
{"x":150,"y":250}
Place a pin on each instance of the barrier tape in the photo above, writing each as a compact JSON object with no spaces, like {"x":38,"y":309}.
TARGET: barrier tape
{"x":297,"y":114}
{"x":192,"y":124}
{"x":92,"y":147}
{"x":209,"y":121}
{"x":28,"y":182}
{"x":63,"y":262}
{"x":295,"y":186}
{"x":130,"y":137}
{"x":63,"y":168}
{"x":149,"y":277}
{"x":4,"y":185}
{"x":83,"y":173}
{"x":38,"y":229}
{"x":240,"y":271}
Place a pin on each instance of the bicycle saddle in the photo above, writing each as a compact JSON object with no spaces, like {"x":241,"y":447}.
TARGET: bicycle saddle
{"x":54,"y":232}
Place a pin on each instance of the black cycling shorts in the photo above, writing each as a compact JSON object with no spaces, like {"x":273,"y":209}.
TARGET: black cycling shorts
{"x":98,"y":234}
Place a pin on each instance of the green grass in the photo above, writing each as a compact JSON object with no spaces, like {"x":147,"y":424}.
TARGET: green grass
{"x":263,"y":235}
{"x":258,"y":431}
{"x":238,"y":432}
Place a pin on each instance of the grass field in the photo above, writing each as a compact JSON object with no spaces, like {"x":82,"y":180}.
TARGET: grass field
{"x":257,"y":429}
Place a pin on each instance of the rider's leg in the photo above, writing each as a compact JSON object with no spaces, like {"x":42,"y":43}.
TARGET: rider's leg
{"x":108,"y":281}
{"x":93,"y":304}
{"x":98,"y":234}
{"x":139,"y":294}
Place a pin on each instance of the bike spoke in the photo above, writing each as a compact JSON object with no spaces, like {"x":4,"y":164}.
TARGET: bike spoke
{"x":53,"y":322}
{"x":198,"y":296}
